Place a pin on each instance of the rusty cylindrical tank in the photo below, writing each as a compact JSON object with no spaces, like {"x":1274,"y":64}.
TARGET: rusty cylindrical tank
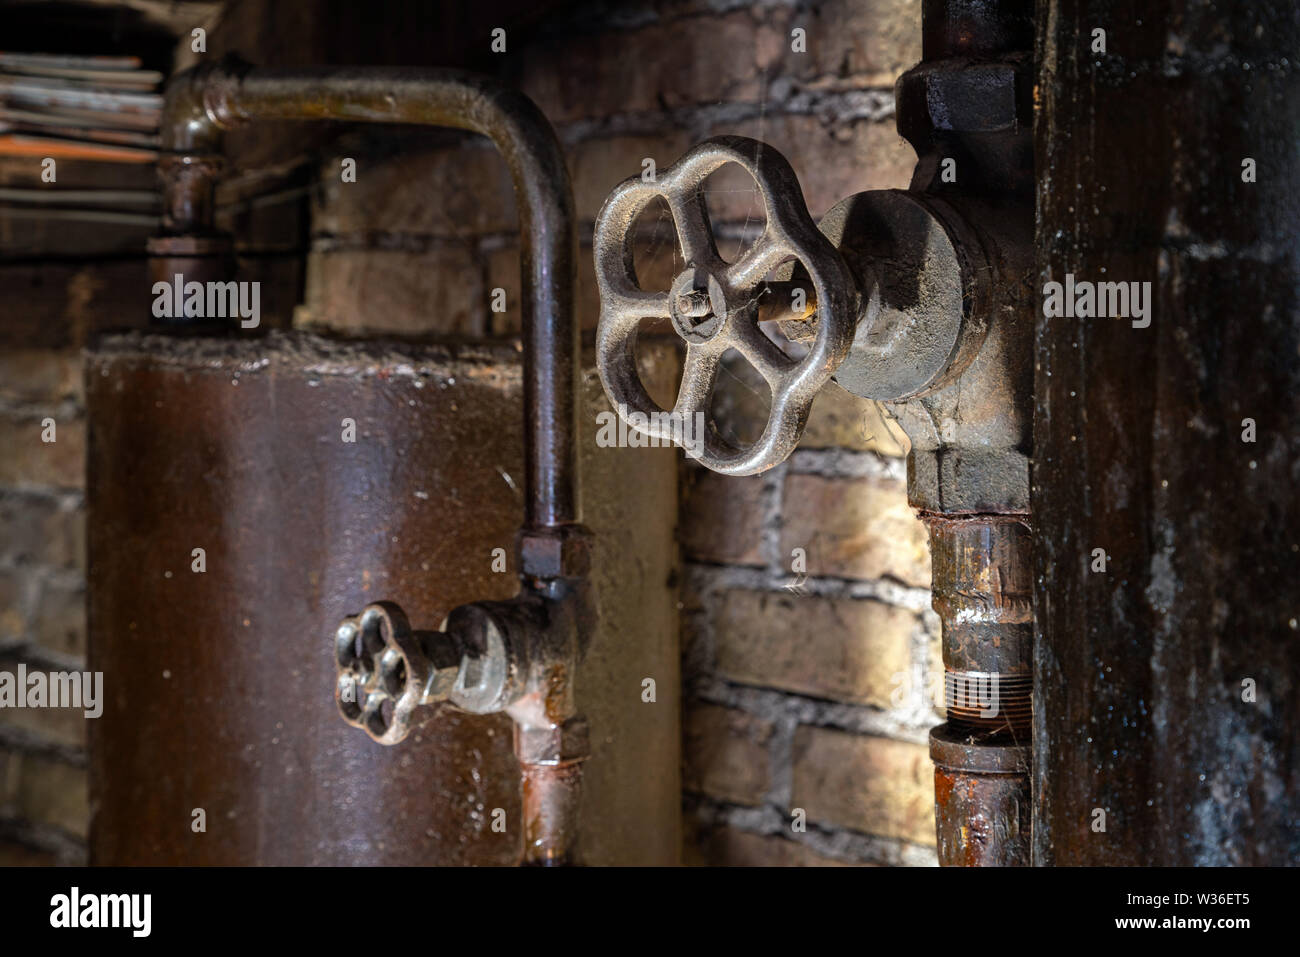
{"x":220,"y":742}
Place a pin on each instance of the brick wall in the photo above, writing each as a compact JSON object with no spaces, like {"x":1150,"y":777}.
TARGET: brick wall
{"x":59,"y":284}
{"x":43,"y":809}
{"x":805,"y":720}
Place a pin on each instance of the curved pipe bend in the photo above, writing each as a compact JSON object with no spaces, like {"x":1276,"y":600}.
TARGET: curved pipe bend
{"x":202,"y":102}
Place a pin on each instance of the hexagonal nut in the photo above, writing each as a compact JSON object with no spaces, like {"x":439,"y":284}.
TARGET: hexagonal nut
{"x":557,"y":744}
{"x":488,"y":661}
{"x":563,"y":552}
{"x":965,"y":96}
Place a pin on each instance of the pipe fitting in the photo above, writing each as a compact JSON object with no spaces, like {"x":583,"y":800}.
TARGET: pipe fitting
{"x":555,"y":552}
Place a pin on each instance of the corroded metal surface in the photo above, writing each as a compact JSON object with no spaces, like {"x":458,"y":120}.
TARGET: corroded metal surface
{"x":934,"y":287}
{"x":982,"y":806}
{"x":220,"y":684}
{"x":713,"y":306}
{"x":982,"y":593}
{"x":967,"y":105}
{"x":1169,"y":683}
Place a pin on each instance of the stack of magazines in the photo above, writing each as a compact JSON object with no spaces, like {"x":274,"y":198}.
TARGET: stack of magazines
{"x":80,"y":107}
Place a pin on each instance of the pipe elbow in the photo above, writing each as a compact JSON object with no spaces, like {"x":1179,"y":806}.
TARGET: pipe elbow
{"x":195,"y":106}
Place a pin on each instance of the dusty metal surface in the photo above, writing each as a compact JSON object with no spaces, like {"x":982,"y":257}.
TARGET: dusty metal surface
{"x":1169,"y":690}
{"x":219,"y":684}
{"x":713,"y":305}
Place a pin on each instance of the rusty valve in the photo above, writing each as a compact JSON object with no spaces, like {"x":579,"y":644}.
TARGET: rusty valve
{"x":386,"y":671}
{"x":714,"y":305}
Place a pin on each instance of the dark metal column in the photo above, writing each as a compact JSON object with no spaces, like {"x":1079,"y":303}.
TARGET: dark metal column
{"x":1168,"y":679}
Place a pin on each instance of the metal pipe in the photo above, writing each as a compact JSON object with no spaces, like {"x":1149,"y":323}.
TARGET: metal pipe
{"x":206,"y":100}
{"x":983,"y":594}
{"x":967,"y":103}
{"x":975,"y":28}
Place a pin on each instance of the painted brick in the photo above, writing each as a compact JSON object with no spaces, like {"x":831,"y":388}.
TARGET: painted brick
{"x":855,"y":528}
{"x":55,"y":794}
{"x":40,"y":375}
{"x":18,"y":855}
{"x":839,"y":419}
{"x":661,"y":66}
{"x":61,"y":618}
{"x":461,"y":190}
{"x":65,"y":726}
{"x":722,"y":518}
{"x":58,"y":305}
{"x":38,"y":529}
{"x":840,"y":648}
{"x":725,"y":754}
{"x":832,"y":162}
{"x":597,"y":165}
{"x":729,"y":847}
{"x":30,"y":463}
{"x":10,"y":776}
{"x":14,"y":588}
{"x":730,"y":56}
{"x":870,"y":784}
{"x":390,"y":292}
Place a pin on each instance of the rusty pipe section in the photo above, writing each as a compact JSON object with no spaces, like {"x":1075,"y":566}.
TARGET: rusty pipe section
{"x":203,"y":102}
{"x":983,"y":594}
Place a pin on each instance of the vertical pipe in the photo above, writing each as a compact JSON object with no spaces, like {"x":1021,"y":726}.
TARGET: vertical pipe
{"x":982,"y":591}
{"x":551,"y":797}
{"x":975,"y":28}
{"x":968,"y":104}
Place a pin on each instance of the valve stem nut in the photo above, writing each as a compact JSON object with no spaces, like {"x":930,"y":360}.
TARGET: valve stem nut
{"x":562,"y":551}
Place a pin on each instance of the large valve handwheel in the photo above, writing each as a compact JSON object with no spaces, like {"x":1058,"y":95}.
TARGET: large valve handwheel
{"x":713,"y":305}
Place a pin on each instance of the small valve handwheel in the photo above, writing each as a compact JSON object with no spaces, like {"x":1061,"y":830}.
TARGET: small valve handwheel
{"x":382,"y":672}
{"x":712,"y":304}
